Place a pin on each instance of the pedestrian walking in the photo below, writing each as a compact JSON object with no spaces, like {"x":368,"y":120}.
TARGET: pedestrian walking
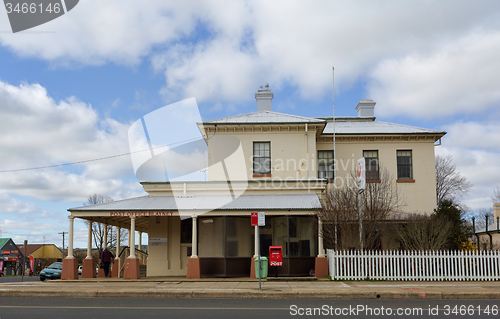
{"x":106,"y":258}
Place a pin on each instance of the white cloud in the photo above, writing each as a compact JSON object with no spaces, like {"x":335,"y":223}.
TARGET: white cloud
{"x":460,"y":78}
{"x":15,"y":224}
{"x":37,"y":131}
{"x":219,"y":50}
{"x":474,"y":147}
{"x":13,"y":205}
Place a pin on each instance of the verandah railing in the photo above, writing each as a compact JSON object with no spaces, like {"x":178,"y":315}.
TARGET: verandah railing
{"x":414,"y":265}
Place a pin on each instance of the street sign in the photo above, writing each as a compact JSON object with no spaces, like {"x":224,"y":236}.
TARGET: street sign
{"x":258,"y":219}
{"x":254,"y":219}
{"x":361,"y":174}
{"x":262,"y":219}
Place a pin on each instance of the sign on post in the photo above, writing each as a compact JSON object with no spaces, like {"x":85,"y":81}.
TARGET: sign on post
{"x":258,"y":219}
{"x":361,"y":174}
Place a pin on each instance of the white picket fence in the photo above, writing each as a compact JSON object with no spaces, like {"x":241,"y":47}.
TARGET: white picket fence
{"x":414,"y":265}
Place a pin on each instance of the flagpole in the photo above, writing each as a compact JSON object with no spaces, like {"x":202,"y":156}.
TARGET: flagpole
{"x":334,"y":155}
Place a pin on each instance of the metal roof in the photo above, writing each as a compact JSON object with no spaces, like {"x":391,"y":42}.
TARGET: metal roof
{"x":375,"y":127}
{"x":207,"y":202}
{"x":265,"y":117}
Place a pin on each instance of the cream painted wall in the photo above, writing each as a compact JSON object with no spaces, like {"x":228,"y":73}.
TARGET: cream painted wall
{"x":166,"y":260}
{"x":291,"y":155}
{"x":294,"y":156}
{"x":420,"y":196}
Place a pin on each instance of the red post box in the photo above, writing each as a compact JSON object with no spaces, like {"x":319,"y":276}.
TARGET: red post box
{"x":275,"y":256}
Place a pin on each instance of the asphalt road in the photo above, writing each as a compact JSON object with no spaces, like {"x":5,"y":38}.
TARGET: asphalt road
{"x":74,"y":308}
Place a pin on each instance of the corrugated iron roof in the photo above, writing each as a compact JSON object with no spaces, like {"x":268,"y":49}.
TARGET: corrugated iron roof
{"x":264,"y":117}
{"x":375,"y":127}
{"x":206,"y":202}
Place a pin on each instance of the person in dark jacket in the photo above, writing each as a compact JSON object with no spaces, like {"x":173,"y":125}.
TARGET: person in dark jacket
{"x":106,"y":258}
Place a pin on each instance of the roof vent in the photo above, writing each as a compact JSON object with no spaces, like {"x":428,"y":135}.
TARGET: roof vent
{"x":366,"y":108}
{"x":264,"y":98}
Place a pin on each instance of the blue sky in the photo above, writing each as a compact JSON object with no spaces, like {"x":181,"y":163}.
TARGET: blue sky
{"x":70,"y":88}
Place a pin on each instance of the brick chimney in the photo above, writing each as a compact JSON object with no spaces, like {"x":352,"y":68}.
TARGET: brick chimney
{"x":264,"y":98}
{"x":366,"y":108}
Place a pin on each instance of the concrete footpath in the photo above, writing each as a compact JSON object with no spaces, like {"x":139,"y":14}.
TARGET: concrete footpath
{"x":249,"y":288}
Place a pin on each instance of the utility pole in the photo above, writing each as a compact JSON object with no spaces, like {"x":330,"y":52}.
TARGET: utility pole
{"x":24,"y":260}
{"x":63,"y":233}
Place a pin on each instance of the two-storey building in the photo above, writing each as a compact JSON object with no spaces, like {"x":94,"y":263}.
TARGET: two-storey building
{"x":269,"y":162}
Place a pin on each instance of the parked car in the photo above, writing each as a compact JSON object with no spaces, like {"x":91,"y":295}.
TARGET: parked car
{"x":52,"y":272}
{"x":79,"y":270}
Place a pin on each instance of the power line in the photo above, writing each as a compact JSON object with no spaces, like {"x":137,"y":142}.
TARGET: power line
{"x":93,"y":160}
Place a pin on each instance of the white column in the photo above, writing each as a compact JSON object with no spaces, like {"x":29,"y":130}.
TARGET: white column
{"x":140,"y":240}
{"x":70,"y":239}
{"x":320,"y":238}
{"x":256,"y":243}
{"x":194,"y":239}
{"x":118,"y":231}
{"x":132,"y":237}
{"x":89,"y":241}
{"x":105,"y":244}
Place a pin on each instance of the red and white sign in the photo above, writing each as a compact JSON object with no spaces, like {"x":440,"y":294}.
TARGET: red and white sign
{"x":275,"y":256}
{"x":12,"y":258}
{"x":361,"y":174}
{"x":6,"y":252}
{"x":258,"y":219}
{"x":1,"y":266}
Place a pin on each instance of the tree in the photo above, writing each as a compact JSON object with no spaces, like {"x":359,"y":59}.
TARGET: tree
{"x":461,"y":230}
{"x":496,"y":195}
{"x":423,"y":232}
{"x":450,"y":184}
{"x":98,"y":228}
{"x":340,"y":214}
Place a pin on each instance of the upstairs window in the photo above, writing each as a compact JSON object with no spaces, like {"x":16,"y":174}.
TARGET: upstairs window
{"x":325,"y":165}
{"x":404,"y":160}
{"x":371,"y":165}
{"x":262,"y":157}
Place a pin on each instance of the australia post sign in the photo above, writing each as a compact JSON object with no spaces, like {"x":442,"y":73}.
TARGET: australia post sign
{"x":275,"y":256}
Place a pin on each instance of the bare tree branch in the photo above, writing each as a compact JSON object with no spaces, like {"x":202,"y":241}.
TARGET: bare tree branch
{"x":496,"y":195}
{"x":450,"y":184}
{"x":98,"y":228}
{"x":341,"y":218}
{"x":422,"y":232}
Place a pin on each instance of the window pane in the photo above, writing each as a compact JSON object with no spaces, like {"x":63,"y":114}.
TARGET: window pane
{"x":262,"y":158}
{"x":211,"y":237}
{"x":302,"y":236}
{"x":186,"y":231}
{"x":404,"y":164}
{"x":239,"y":237}
{"x":325,"y":164}
{"x":371,"y":165}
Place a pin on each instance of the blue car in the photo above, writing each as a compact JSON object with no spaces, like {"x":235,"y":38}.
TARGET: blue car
{"x":52,"y":272}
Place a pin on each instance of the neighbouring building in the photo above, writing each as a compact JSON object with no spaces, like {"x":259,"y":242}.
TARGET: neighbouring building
{"x":44,"y":255}
{"x":10,"y":257}
{"x":489,"y":236}
{"x":269,"y":162}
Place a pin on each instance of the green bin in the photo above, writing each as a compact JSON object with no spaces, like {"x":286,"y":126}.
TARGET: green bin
{"x":263,"y":269}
